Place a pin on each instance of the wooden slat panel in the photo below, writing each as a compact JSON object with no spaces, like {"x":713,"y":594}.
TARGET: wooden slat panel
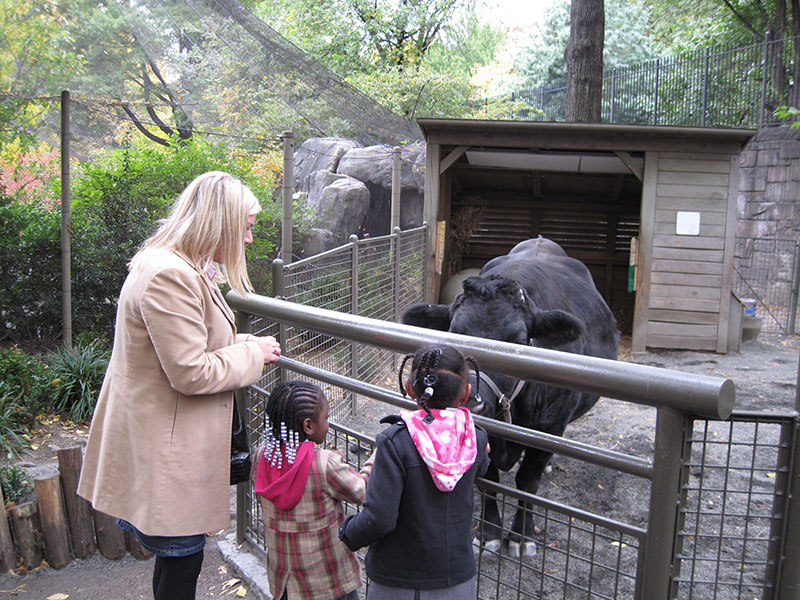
{"x":692,"y":191}
{"x":694,"y":165}
{"x":683,"y":178}
{"x":662,"y":341}
{"x":682,"y":330}
{"x":717,"y":231}
{"x":687,"y":279}
{"x":685,"y":266}
{"x":694,"y":242}
{"x":692,"y":203}
{"x":659,"y":252}
{"x":679,"y":291}
{"x":684,"y":316}
{"x":688,"y":304}
{"x":707,"y":217}
{"x":693,"y":156}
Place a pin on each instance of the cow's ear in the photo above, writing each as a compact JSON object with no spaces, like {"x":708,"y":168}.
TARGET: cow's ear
{"x":557,"y":330}
{"x":432,"y":316}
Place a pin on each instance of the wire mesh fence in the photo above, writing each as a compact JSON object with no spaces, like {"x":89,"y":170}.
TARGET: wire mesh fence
{"x":374,"y":277}
{"x":766,"y":270}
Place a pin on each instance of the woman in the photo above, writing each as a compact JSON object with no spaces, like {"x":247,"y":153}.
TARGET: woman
{"x":158,"y":455}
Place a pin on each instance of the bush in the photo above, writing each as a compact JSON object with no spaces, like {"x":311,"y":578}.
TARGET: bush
{"x":26,"y":380}
{"x":13,"y":420}
{"x":78,"y":374}
{"x":14,"y":482}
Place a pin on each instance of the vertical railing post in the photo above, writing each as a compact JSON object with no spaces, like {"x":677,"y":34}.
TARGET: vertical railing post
{"x":613,"y":93}
{"x":655,"y":96}
{"x":658,"y":556}
{"x":782,"y":578}
{"x":288,"y":184}
{"x":795,"y":290}
{"x":396,"y":238}
{"x":354,"y":359}
{"x":705,"y":89}
{"x":764,"y":79}
{"x":396,"y":181}
{"x":66,"y":246}
{"x":240,"y":397}
{"x":279,"y":291}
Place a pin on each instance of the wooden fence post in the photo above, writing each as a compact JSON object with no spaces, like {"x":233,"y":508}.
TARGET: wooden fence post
{"x":135,"y":547}
{"x":79,"y":511}
{"x":8,"y":557}
{"x":110,"y":537}
{"x":53,"y":520}
{"x":26,"y":532}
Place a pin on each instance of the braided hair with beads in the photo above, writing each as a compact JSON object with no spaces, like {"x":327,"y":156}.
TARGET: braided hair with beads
{"x":438,"y":375}
{"x":289,"y":404}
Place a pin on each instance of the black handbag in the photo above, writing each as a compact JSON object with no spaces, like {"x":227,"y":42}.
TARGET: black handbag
{"x":240,"y":450}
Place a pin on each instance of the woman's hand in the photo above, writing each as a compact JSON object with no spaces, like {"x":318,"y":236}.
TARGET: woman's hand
{"x":269,"y":347}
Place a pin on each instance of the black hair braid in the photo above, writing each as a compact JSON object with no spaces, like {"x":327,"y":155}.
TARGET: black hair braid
{"x":400,"y":373}
{"x":471,"y":360}
{"x":427,"y":373}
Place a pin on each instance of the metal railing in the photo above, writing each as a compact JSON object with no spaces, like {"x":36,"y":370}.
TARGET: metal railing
{"x":374,"y":277}
{"x":721,"y":86}
{"x":681,"y":543}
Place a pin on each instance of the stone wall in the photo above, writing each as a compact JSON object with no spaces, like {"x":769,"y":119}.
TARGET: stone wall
{"x":768,"y":226}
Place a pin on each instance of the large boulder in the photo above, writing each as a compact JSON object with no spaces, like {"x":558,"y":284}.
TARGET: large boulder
{"x":349,"y":188}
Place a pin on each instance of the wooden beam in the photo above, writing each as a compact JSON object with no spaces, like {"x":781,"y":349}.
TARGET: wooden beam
{"x":448,"y":160}
{"x":626,"y":158}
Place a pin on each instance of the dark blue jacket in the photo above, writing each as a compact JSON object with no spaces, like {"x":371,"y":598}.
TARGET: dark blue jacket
{"x":419,"y":537}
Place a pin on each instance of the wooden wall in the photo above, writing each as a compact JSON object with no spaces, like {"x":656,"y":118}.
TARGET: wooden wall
{"x":685,"y":280}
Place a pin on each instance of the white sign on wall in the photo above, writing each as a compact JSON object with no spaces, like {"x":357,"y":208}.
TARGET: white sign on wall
{"x":687,"y":223}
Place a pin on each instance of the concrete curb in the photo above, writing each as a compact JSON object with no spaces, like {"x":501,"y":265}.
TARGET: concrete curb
{"x":248,"y":567}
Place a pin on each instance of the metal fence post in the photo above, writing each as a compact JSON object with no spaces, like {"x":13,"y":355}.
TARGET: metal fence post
{"x":354,"y":362}
{"x":655,"y":96}
{"x":396,"y":180}
{"x":279,"y":290}
{"x":795,"y":285}
{"x":240,"y":397}
{"x":613,"y":93}
{"x":657,"y":558}
{"x":764,"y":79}
{"x":396,"y":234}
{"x":705,"y":89}
{"x":288,"y":177}
{"x":66,"y":248}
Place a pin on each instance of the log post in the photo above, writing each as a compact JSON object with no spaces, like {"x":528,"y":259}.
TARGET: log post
{"x":135,"y":547}
{"x":79,"y":511}
{"x":8,"y":556}
{"x":26,"y":532}
{"x":53,"y":520}
{"x":110,"y":537}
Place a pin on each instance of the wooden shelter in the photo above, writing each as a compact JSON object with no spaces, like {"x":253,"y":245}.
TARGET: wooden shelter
{"x":650,"y":210}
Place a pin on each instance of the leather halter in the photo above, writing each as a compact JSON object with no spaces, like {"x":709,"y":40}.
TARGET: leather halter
{"x":503,"y":401}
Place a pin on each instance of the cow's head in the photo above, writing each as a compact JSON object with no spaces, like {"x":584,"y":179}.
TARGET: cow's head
{"x":497,"y":308}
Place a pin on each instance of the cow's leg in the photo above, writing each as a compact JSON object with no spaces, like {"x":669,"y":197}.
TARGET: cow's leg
{"x":491,"y":526}
{"x":520,"y":541}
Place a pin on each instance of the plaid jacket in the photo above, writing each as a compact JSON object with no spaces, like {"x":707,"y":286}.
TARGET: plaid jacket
{"x":304,"y":553}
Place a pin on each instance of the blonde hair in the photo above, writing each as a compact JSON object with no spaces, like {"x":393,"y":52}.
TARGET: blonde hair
{"x":210,"y":214}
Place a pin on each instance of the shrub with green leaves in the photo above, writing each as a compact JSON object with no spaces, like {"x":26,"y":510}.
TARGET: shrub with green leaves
{"x":14,"y":420}
{"x":25,"y":378}
{"x":77,"y":374}
{"x":14,"y":482}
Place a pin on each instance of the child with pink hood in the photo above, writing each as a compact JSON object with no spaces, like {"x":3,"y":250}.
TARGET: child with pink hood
{"x":301,"y":487}
{"x":417,"y":515}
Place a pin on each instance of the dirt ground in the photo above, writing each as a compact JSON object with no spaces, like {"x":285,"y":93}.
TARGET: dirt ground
{"x":765,"y":376}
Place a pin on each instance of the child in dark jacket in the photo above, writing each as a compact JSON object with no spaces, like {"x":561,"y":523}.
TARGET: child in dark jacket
{"x":301,"y":488}
{"x":417,"y":515}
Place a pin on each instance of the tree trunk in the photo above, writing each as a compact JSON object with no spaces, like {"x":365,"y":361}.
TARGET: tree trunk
{"x":584,"y":58}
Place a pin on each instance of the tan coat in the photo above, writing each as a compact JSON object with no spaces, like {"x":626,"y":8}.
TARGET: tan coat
{"x":158,"y":454}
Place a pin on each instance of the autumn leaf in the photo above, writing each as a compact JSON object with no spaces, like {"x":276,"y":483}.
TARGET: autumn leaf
{"x":241,"y":592}
{"x":58,"y":596}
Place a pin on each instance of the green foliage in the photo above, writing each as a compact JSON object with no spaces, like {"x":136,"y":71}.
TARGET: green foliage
{"x":14,"y":482}
{"x":25,"y":377}
{"x":78,"y":374}
{"x":13,"y":419}
{"x":788,"y":113}
{"x":627,"y":42}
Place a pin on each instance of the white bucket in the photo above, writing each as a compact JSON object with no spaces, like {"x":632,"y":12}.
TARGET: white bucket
{"x":749,"y":305}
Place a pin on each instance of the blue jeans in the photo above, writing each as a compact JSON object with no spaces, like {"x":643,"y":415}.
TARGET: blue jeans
{"x":166,"y":546}
{"x":351,"y":596}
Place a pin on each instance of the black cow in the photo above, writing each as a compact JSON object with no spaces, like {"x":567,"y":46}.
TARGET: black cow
{"x":535,"y":295}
